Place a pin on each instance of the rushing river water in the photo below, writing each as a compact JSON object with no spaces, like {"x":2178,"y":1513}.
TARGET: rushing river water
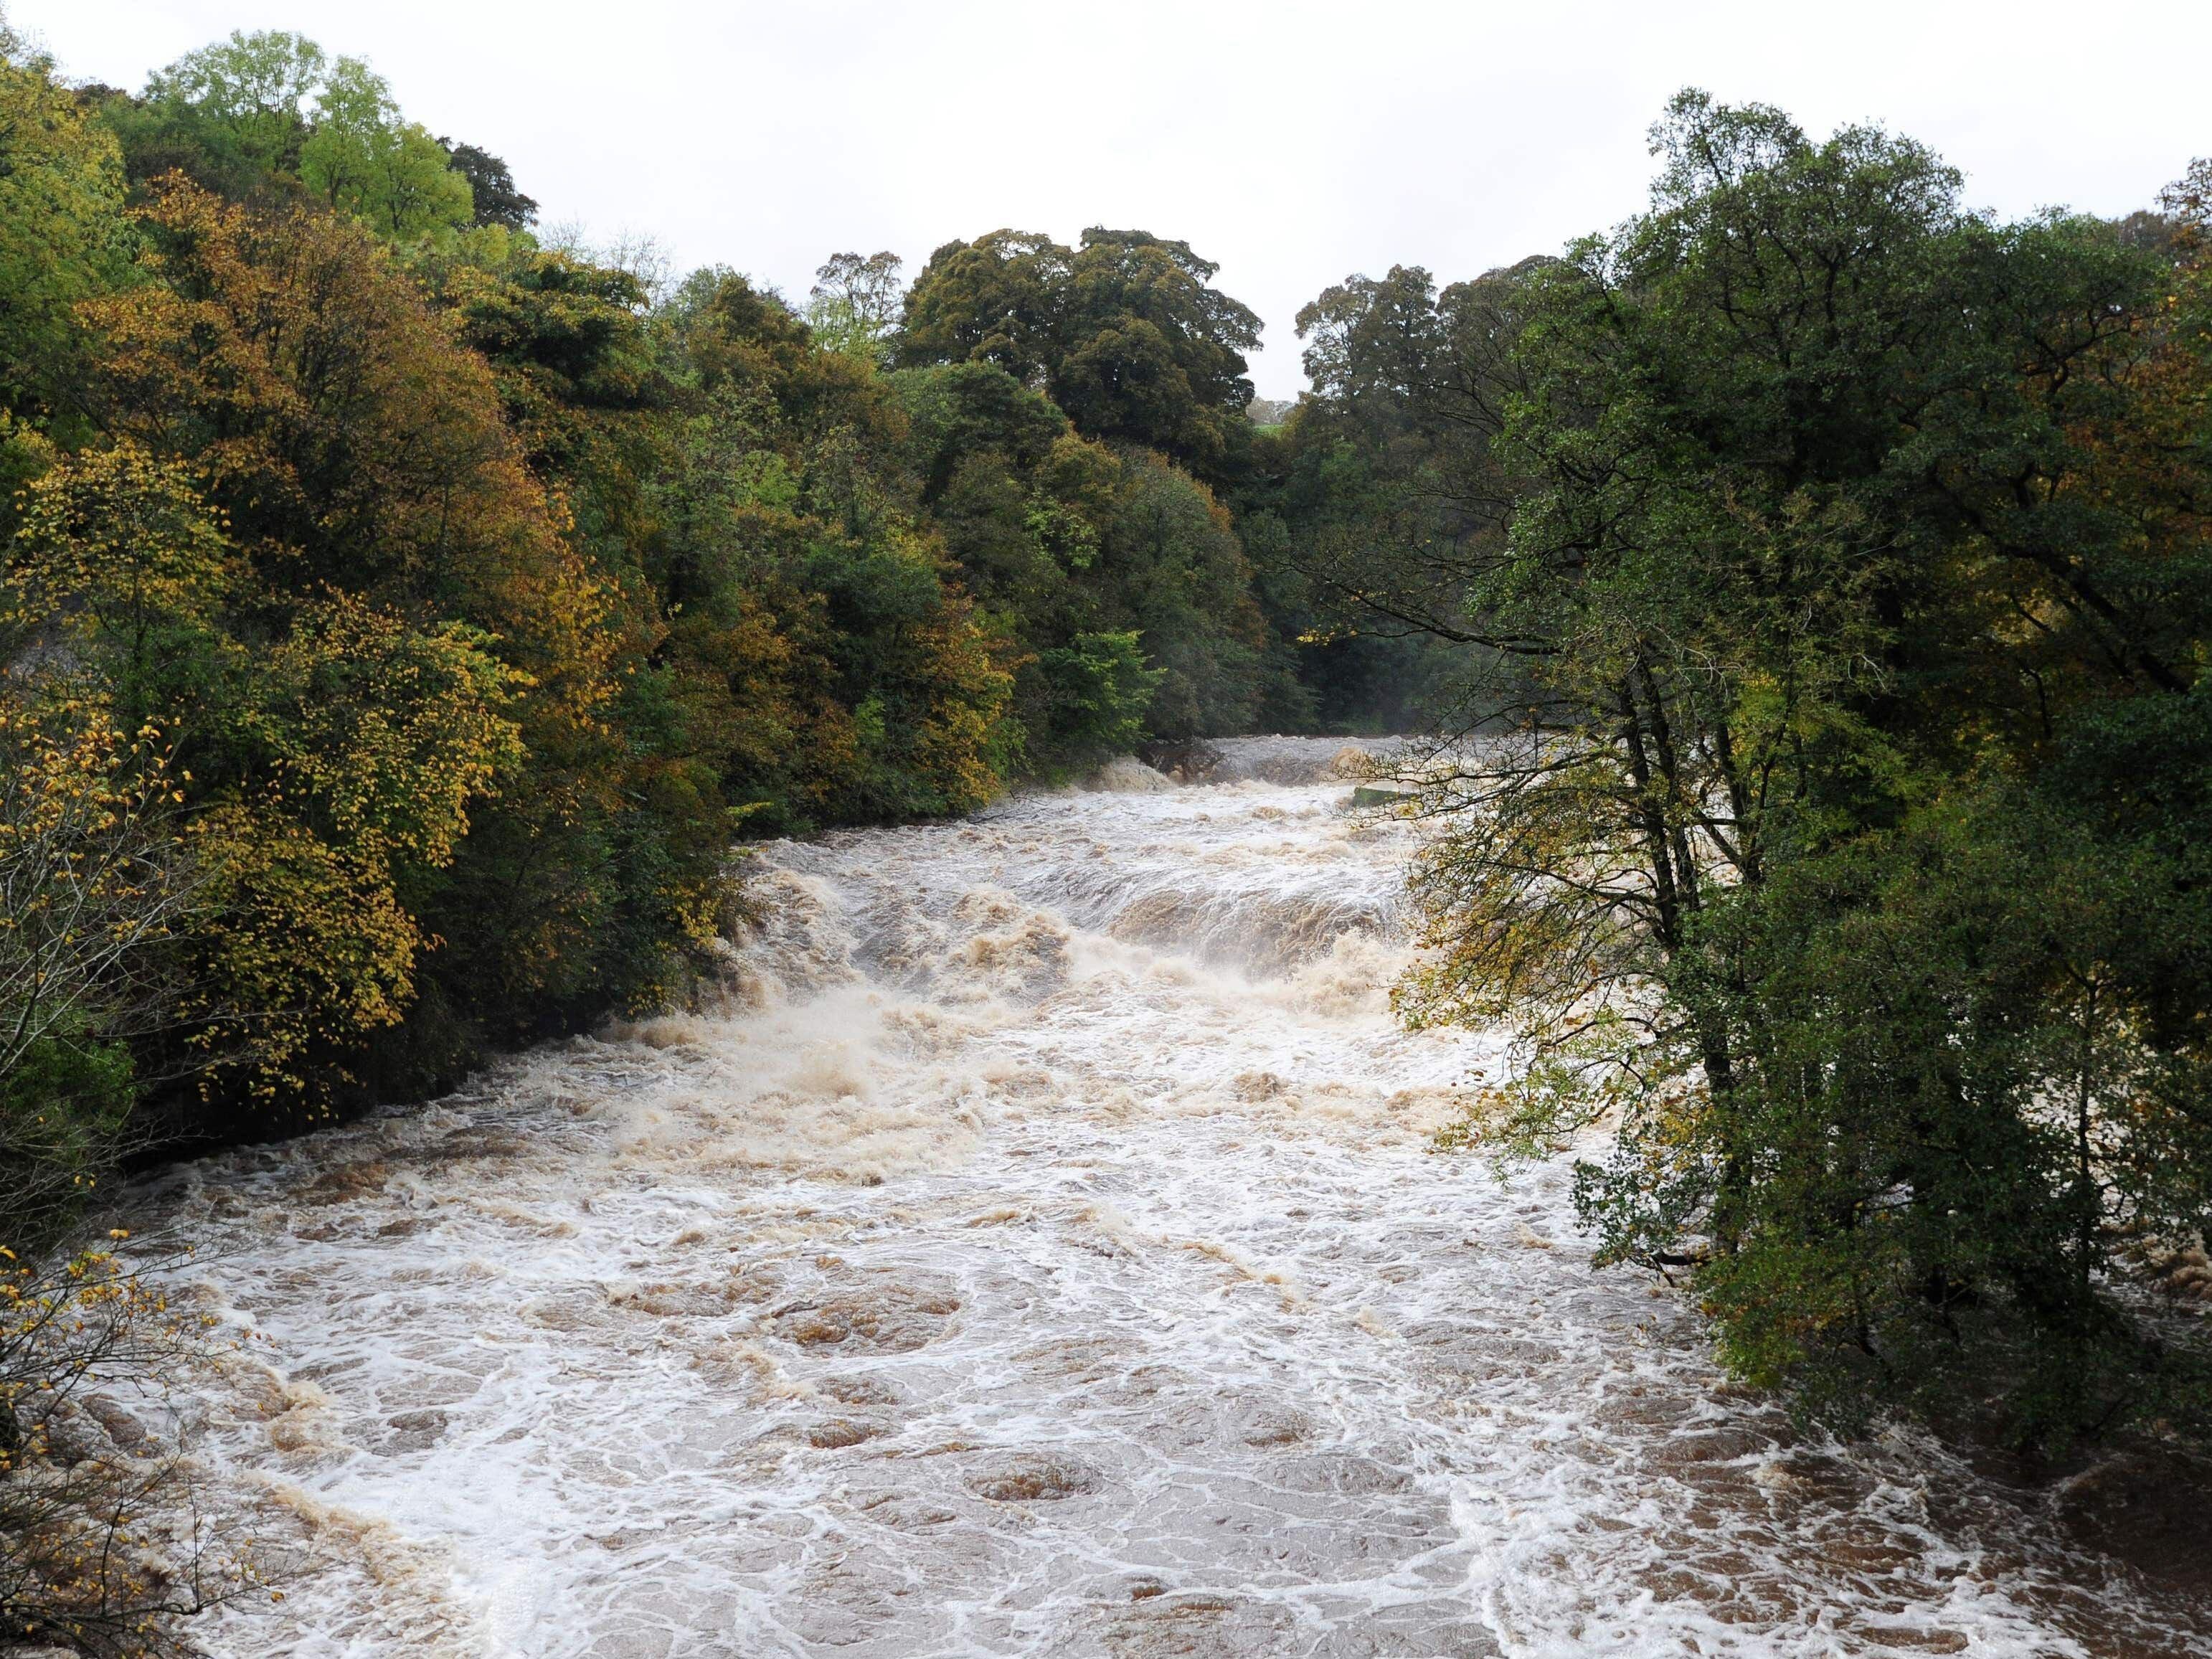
{"x":1041,"y":1255}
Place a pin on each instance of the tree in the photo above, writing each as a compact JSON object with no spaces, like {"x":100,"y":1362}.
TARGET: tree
{"x":368,"y":480}
{"x":364,"y":159}
{"x":491,"y":187}
{"x":855,"y":304}
{"x":268,"y":117}
{"x":105,"y":1546}
{"x":1386,"y":495}
{"x":1182,"y":585}
{"x":1125,"y":334}
{"x":95,"y":882}
{"x":1121,"y":573}
{"x":117,"y":551}
{"x":1128,"y":337}
{"x":1832,"y":566}
{"x":997,"y":300}
{"x":1102,"y":691}
{"x":332,"y":761}
{"x":795,"y":506}
{"x":233,"y":115}
{"x":256,"y":87}
{"x":1154,"y":352}
{"x":63,"y":238}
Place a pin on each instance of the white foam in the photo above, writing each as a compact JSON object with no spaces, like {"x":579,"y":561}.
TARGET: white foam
{"x":1034,"y":1247}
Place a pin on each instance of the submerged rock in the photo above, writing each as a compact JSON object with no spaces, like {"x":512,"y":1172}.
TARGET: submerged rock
{"x":1125,"y":774}
{"x":1186,"y":760}
{"x":1032,"y":1478}
{"x":1378,"y":794}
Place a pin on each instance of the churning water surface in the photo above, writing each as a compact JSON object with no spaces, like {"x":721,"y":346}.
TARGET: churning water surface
{"x":1041,"y":1254}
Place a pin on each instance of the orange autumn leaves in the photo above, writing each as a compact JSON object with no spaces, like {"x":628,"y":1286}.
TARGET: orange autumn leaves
{"x":458,"y":765}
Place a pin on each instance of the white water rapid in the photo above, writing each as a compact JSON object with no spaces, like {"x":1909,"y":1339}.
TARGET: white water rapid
{"x":1043,"y":1256}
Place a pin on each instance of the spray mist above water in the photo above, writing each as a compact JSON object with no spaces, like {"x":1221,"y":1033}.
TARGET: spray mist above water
{"x":1039,"y":1251}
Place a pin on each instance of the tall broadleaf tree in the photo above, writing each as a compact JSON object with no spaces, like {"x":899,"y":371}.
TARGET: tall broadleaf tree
{"x":1836,"y":578}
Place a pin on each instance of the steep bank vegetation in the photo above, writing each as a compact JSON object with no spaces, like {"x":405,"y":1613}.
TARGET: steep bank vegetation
{"x":1827,"y":565}
{"x":474,"y":593}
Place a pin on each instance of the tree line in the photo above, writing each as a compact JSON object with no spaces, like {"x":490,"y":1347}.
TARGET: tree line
{"x":429,"y":602}
{"x":1825,"y":576}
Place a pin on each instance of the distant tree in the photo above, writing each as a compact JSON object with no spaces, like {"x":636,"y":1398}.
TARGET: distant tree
{"x":233,"y":114}
{"x":1180,"y":580}
{"x":1154,"y":351}
{"x":1125,"y":334}
{"x":262,"y":116}
{"x":364,"y":159}
{"x":996,"y":300}
{"x":257,"y":83}
{"x":793,"y":499}
{"x":853,"y":307}
{"x":498,"y":202}
{"x":1102,"y":688}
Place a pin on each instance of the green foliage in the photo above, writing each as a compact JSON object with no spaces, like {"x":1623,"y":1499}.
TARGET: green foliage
{"x":93,"y":884}
{"x":812,"y":592}
{"x":267,"y":116}
{"x":232,"y":115}
{"x":492,"y":188}
{"x":1185,"y":588}
{"x":853,"y":307}
{"x":1099,"y":692}
{"x":1845,"y":842}
{"x":1960,"y":1136}
{"x":63,"y":1106}
{"x":255,"y":87}
{"x":364,"y":159}
{"x":62,"y":235}
{"x":1125,"y":332}
{"x":1060,"y":538}
{"x":1372,"y":511}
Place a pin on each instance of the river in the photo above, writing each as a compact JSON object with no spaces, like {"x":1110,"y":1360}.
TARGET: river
{"x":1038,"y":1252}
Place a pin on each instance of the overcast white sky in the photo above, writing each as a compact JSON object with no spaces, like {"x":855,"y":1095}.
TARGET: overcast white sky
{"x":1292,"y":143}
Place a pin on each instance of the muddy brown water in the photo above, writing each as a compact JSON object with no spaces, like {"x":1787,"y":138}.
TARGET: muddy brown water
{"x":1041,"y":1254}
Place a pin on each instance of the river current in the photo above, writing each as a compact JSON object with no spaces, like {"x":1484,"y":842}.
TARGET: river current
{"x":1037,"y":1250}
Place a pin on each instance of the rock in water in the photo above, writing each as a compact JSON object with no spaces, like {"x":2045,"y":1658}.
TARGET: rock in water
{"x":1126,"y":774}
{"x":1186,"y":760}
{"x":1376,"y":795}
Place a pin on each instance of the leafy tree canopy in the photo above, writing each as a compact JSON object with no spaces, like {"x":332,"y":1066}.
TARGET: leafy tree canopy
{"x":269,"y":116}
{"x":245,"y":102}
{"x":62,"y":235}
{"x":491,"y":187}
{"x":364,"y":159}
{"x":1125,"y":332}
{"x":1837,"y":608}
{"x":855,"y":304}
